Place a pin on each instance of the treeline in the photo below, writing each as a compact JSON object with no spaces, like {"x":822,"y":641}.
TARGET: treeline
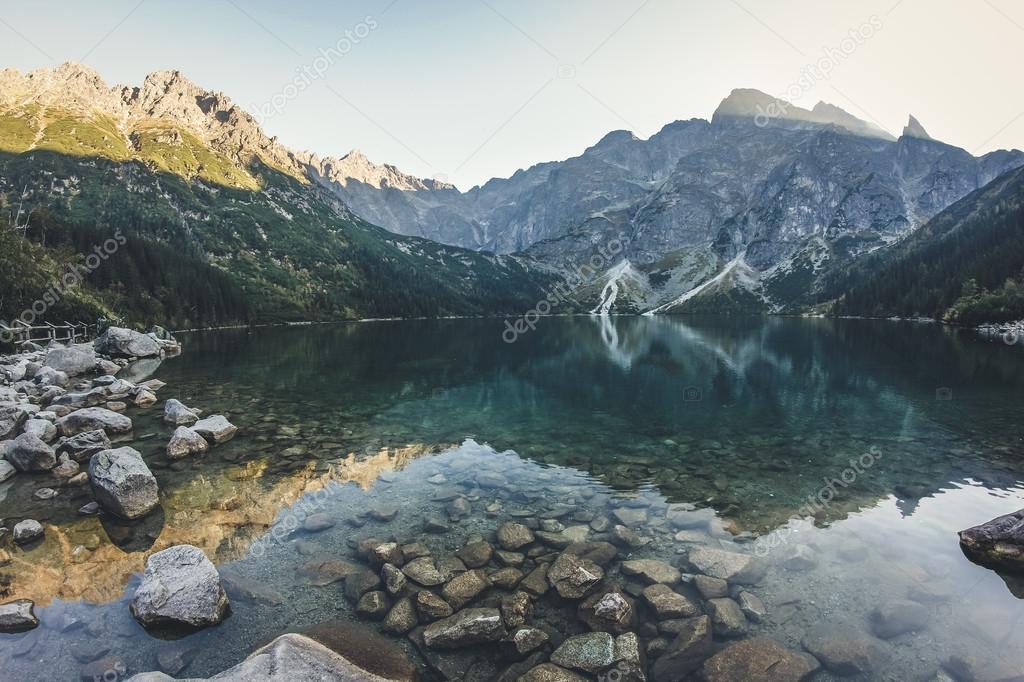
{"x":966,"y":265}
{"x":83,"y":271}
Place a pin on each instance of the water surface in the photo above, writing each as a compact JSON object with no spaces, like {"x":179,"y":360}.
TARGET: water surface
{"x":747,"y":420}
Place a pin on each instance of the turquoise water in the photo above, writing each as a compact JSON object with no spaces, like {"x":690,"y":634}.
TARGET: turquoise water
{"x":866,"y":444}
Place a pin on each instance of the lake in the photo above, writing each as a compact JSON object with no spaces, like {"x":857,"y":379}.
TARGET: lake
{"x":843,"y":454}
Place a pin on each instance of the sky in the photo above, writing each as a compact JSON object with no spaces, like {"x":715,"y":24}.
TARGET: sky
{"x":466,"y":90}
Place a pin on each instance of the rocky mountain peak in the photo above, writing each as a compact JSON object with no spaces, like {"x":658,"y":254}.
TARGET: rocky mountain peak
{"x":915,"y":129}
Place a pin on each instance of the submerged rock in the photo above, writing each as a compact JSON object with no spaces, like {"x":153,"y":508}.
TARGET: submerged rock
{"x":465,"y":628}
{"x":741,"y":569}
{"x":84,"y":445}
{"x":590,"y":653}
{"x":512,"y":536}
{"x":759,"y":660}
{"x":122,"y":483}
{"x":573,"y":576}
{"x":549,"y":672}
{"x":668,"y":604}
{"x":651,"y":570}
{"x":26,"y":531}
{"x":999,"y":543}
{"x":288,"y":658}
{"x":180,"y":586}
{"x":898,"y":617}
{"x":610,"y":611}
{"x":17,"y":616}
{"x":691,"y":647}
{"x":843,"y":650}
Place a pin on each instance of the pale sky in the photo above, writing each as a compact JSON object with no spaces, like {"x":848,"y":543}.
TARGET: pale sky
{"x":466,"y":90}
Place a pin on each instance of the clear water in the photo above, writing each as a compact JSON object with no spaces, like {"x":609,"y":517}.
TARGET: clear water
{"x":747,"y":419}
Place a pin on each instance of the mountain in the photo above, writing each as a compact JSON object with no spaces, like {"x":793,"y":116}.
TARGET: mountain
{"x":204,"y":198}
{"x":748,"y":211}
{"x":966,"y":265}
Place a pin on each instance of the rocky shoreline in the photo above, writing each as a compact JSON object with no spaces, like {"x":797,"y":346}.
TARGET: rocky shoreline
{"x":62,"y":428}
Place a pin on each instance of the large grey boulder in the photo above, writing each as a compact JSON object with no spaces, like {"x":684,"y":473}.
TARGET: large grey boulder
{"x":124,"y":343}
{"x":465,"y":628}
{"x":73,"y":360}
{"x":177,"y":413}
{"x":17,"y":616}
{"x":11,"y":419}
{"x":216,"y":429}
{"x":289,"y":658}
{"x":180,"y":587}
{"x":84,"y":445}
{"x":999,"y":543}
{"x":28,"y":452}
{"x":92,"y":418}
{"x":122,"y":483}
{"x":185,"y":442}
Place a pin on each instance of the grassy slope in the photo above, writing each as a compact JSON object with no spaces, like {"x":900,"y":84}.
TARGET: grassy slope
{"x":291,"y":249}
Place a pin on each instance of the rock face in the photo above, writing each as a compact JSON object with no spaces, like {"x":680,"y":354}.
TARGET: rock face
{"x":29,"y":453}
{"x":122,"y":483}
{"x":216,"y":429}
{"x":184,"y":442}
{"x":125,"y":343}
{"x":288,"y":658}
{"x":17,"y":616}
{"x":93,"y":418}
{"x":181,"y":587}
{"x":465,"y":628}
{"x":998,"y":543}
{"x":759,"y":660}
{"x":73,"y":360}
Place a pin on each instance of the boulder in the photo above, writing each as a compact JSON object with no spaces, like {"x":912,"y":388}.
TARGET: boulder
{"x":465,"y":628}
{"x":759,"y":660}
{"x":180,"y":586}
{"x":42,"y":429}
{"x":727,"y":618}
{"x":669,"y":604}
{"x":548,"y":672}
{"x":573,"y":576}
{"x":691,"y":647}
{"x":401,"y":618}
{"x":93,"y":418}
{"x":424,"y":571}
{"x":27,"y":531}
{"x":843,"y":650}
{"x":999,"y":543}
{"x":72,"y":361}
{"x":118,"y":342}
{"x":591,"y":653}
{"x":11,"y":419}
{"x":288,"y":658}
{"x":464,"y":588}
{"x":17,"y":616}
{"x":216,"y":429}
{"x":898,"y":617}
{"x":610,"y":611}
{"x":741,"y":569}
{"x":48,"y":376}
{"x":28,"y":453}
{"x":651,"y":571}
{"x":185,"y":442}
{"x":84,"y":445}
{"x":122,"y":483}
{"x":176,"y":412}
{"x":6,"y":470}
{"x":512,"y":536}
